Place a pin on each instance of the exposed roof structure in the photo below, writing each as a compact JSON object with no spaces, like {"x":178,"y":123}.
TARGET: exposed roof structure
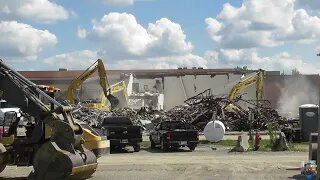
{"x":139,"y":73}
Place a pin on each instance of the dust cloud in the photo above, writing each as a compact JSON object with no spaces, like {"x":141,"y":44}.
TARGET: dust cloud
{"x":297,"y":91}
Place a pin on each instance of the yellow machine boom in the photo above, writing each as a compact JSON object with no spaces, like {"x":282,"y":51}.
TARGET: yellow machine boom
{"x":77,"y":82}
{"x":246,"y":82}
{"x":115,"y":88}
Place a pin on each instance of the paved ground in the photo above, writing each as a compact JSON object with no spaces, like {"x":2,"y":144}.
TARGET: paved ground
{"x":203,"y":163}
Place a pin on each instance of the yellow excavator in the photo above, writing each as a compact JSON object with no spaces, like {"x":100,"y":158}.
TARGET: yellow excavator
{"x":115,"y":88}
{"x":246,"y":82}
{"x":49,"y":140}
{"x":93,"y":140}
{"x":96,"y":66}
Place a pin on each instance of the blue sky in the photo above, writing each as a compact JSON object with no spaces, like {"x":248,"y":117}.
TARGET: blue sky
{"x":147,"y":34}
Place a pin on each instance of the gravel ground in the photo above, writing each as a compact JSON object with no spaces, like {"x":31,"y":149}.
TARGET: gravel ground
{"x":203,"y":163}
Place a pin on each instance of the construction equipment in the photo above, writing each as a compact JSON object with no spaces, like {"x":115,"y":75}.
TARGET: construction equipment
{"x":246,"y":82}
{"x":94,"y":140}
{"x":115,"y":88}
{"x":49,"y":140}
{"x":96,"y":66}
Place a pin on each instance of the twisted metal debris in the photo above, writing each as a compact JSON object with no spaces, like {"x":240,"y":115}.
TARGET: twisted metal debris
{"x":204,"y":107}
{"x":199,"y":110}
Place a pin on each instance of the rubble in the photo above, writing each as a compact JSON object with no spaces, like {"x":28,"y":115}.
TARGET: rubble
{"x":237,"y":115}
{"x":204,"y":107}
{"x":94,"y":117}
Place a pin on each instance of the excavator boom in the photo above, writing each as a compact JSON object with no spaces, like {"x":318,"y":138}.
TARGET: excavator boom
{"x":258,"y":78}
{"x":63,"y":155}
{"x":77,"y":82}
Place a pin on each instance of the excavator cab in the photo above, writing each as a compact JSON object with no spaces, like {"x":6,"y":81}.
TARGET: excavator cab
{"x":53,"y":141}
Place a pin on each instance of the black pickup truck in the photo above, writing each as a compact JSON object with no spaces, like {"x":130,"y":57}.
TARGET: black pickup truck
{"x":121,"y":132}
{"x":174,"y":134}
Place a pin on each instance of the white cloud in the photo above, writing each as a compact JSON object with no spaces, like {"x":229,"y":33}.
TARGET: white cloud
{"x":39,"y":10}
{"x":128,"y":45}
{"x":73,"y":60}
{"x":167,"y":37}
{"x":81,"y":33}
{"x":250,"y":58}
{"x":118,"y":2}
{"x":83,"y":59}
{"x":306,"y":27}
{"x":260,"y":23}
{"x":120,"y":34}
{"x":22,"y":40}
{"x":168,"y":62}
{"x":123,"y":37}
{"x":121,"y":2}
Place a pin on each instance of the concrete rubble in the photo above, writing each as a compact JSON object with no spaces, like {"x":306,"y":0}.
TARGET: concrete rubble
{"x":237,"y":115}
{"x":281,"y":144}
{"x":242,"y":144}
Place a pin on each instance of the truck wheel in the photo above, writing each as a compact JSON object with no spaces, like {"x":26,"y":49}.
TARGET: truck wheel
{"x":192,"y":147}
{"x":152,"y":144}
{"x":136,"y":147}
{"x":164,"y":146}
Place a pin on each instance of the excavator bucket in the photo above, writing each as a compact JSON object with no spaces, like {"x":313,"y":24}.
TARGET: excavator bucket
{"x":114,"y":102}
{"x":60,"y":159}
{"x":53,"y":163}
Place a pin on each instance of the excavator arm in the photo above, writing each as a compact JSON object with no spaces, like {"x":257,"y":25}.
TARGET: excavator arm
{"x":63,"y":155}
{"x":260,"y":85}
{"x":246,"y":82}
{"x":118,"y":87}
{"x":115,"y":88}
{"x":97,"y":66}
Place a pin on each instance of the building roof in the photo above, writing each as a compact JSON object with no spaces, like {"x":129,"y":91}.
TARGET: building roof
{"x":140,"y":73}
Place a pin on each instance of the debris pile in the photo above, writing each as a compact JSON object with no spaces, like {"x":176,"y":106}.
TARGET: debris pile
{"x":94,"y":117}
{"x":237,"y":115}
{"x":144,"y":113}
{"x":90,"y":116}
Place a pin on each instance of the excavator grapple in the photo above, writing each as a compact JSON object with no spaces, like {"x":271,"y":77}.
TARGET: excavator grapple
{"x":52,"y":142}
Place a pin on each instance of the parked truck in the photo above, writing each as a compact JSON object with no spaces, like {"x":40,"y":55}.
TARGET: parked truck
{"x":174,"y":134}
{"x":121,"y":132}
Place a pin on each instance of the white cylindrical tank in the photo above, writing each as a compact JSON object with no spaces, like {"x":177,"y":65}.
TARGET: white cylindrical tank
{"x":214,"y":131}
